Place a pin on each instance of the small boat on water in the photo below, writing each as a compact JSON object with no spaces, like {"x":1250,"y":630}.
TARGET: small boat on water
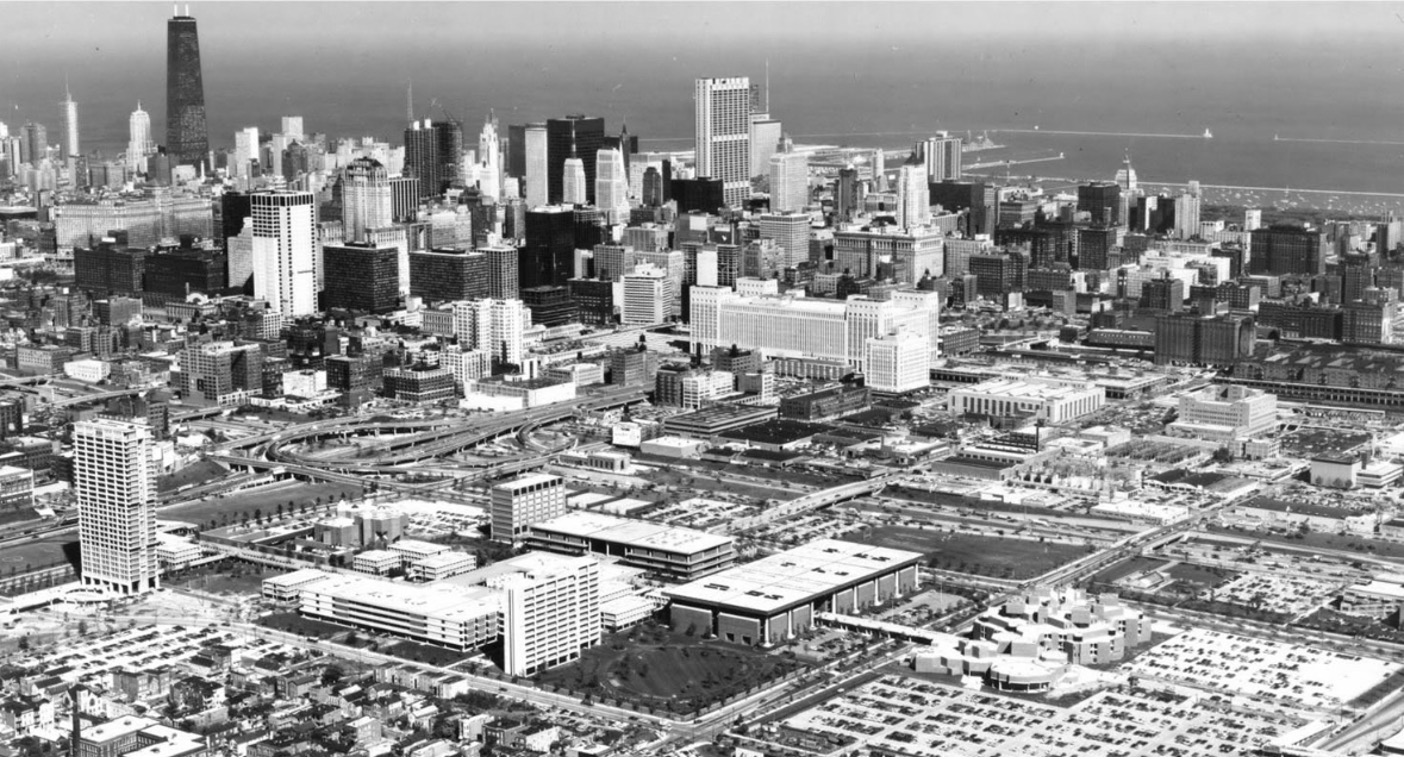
{"x":1208,"y":135}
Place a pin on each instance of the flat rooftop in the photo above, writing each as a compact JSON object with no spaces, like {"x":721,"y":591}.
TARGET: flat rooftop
{"x":633,"y":532}
{"x":540,"y":478}
{"x":438,"y":600}
{"x":1034,"y":388}
{"x":790,"y":578}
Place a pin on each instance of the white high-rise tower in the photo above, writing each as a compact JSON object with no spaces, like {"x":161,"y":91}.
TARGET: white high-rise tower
{"x":245,"y":150}
{"x":284,"y":251}
{"x":573,"y":183}
{"x":611,"y":185}
{"x":723,"y":134}
{"x":913,"y":197}
{"x":488,"y":171}
{"x":139,"y":144}
{"x":365,"y":199}
{"x":70,"y":124}
{"x":536,"y":166}
{"x":114,"y":482}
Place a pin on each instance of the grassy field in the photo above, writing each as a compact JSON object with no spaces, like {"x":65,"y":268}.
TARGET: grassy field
{"x":1326,"y":540}
{"x":1209,"y":577}
{"x":40,"y":553}
{"x":1013,"y":558}
{"x":267,"y":498}
{"x":420,"y":652}
{"x":679,"y":674}
{"x":222,"y":578}
{"x":296,"y":624}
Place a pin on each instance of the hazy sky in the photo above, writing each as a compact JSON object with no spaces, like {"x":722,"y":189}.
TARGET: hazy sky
{"x":835,"y":66}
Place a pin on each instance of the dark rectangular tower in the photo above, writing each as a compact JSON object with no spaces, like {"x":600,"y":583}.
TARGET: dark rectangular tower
{"x":187,"y":138}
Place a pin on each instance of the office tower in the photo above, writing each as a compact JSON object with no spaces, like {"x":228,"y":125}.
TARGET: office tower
{"x":520,"y":503}
{"x":35,"y":144}
{"x":652,"y":187}
{"x":646,"y":296}
{"x":548,"y":255}
{"x":284,"y":251}
{"x":898,"y":363}
{"x":611,"y":185}
{"x":114,"y":485}
{"x":535,"y":153}
{"x":1187,"y":216}
{"x":292,"y":127}
{"x":366,"y":200}
{"x":361,"y":276}
{"x":789,"y":181}
{"x":489,"y":167}
{"x":847,"y":194}
{"x":573,"y":183}
{"x":187,"y":139}
{"x":448,"y":136}
{"x":574,"y":136}
{"x":790,"y":231}
{"x":404,"y":199}
{"x":550,"y":609}
{"x":1164,"y":294}
{"x":245,"y":151}
{"x":1214,"y":341}
{"x":501,"y":271}
{"x":494,"y":326}
{"x":220,"y":373}
{"x":723,"y":135}
{"x":943,"y":157}
{"x":1102,"y":200}
{"x":139,"y":144}
{"x":550,"y":306}
{"x":1285,"y":249}
{"x":444,"y":275}
{"x":998,"y":274}
{"x":913,"y":197}
{"x":516,"y":150}
{"x":179,"y":272}
{"x":701,"y":194}
{"x":108,"y":268}
{"x":766,"y":134}
{"x":69,"y":144}
{"x":422,"y":158}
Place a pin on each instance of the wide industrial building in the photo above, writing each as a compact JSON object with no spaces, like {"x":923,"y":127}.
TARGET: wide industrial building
{"x":776,"y":597}
{"x":461,"y":618}
{"x":1044,"y":398}
{"x":674,"y":553}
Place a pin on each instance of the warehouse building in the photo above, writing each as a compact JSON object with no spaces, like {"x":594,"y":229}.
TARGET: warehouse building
{"x":776,"y":597}
{"x":674,"y":553}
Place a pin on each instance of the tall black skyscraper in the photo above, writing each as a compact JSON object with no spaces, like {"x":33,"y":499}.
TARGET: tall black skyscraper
{"x":187,"y":138}
{"x":573,"y":136}
{"x":422,"y":158}
{"x":548,"y":257}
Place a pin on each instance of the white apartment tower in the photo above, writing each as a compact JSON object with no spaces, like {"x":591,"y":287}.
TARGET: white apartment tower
{"x":723,"y":134}
{"x":943,"y":157}
{"x":611,"y":185}
{"x":139,"y":144}
{"x":285,"y":251}
{"x":245,"y":150}
{"x":573,"y":190}
{"x":114,"y":482}
{"x":791,"y":232}
{"x":366,"y":202}
{"x":913,"y":197}
{"x":494,"y":326}
{"x":70,"y":125}
{"x":550,"y":609}
{"x":898,"y":363}
{"x":536,"y":165}
{"x":789,"y":181}
{"x":292,"y":128}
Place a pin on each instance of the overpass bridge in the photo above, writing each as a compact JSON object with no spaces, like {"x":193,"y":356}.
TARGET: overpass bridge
{"x":820,"y":498}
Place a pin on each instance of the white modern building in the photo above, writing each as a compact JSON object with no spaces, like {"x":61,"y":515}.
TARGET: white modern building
{"x":791,"y":326}
{"x":536,"y":163}
{"x":646,"y":296}
{"x":518,"y":504}
{"x":550,"y":609}
{"x":1047,"y":399}
{"x":245,"y":151}
{"x":365,"y":199}
{"x":139,"y":143}
{"x":453,"y":616}
{"x":494,"y":326}
{"x":1225,"y":413}
{"x":285,"y":251}
{"x":913,"y":197}
{"x":943,"y":157}
{"x":573,"y":188}
{"x":114,"y":482}
{"x":789,"y":182}
{"x":791,"y":232}
{"x":611,"y":185}
{"x":722,"y":108}
{"x":898,"y":363}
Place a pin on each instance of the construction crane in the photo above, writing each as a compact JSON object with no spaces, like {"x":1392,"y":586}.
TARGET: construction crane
{"x":434,"y":103}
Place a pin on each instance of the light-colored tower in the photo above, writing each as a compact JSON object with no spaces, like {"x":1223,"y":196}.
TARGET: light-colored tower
{"x":536,"y":172}
{"x":284,"y":251}
{"x":913,"y":197}
{"x":495,"y":326}
{"x":489,"y":169}
{"x":943,"y":157}
{"x":723,"y":134}
{"x":789,"y":180}
{"x":365,"y":199}
{"x":70,"y":124}
{"x":611,"y":185}
{"x":245,"y":150}
{"x":573,"y":183}
{"x":114,"y":483}
{"x":292,"y":128}
{"x":550,"y":609}
{"x":139,"y":144}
